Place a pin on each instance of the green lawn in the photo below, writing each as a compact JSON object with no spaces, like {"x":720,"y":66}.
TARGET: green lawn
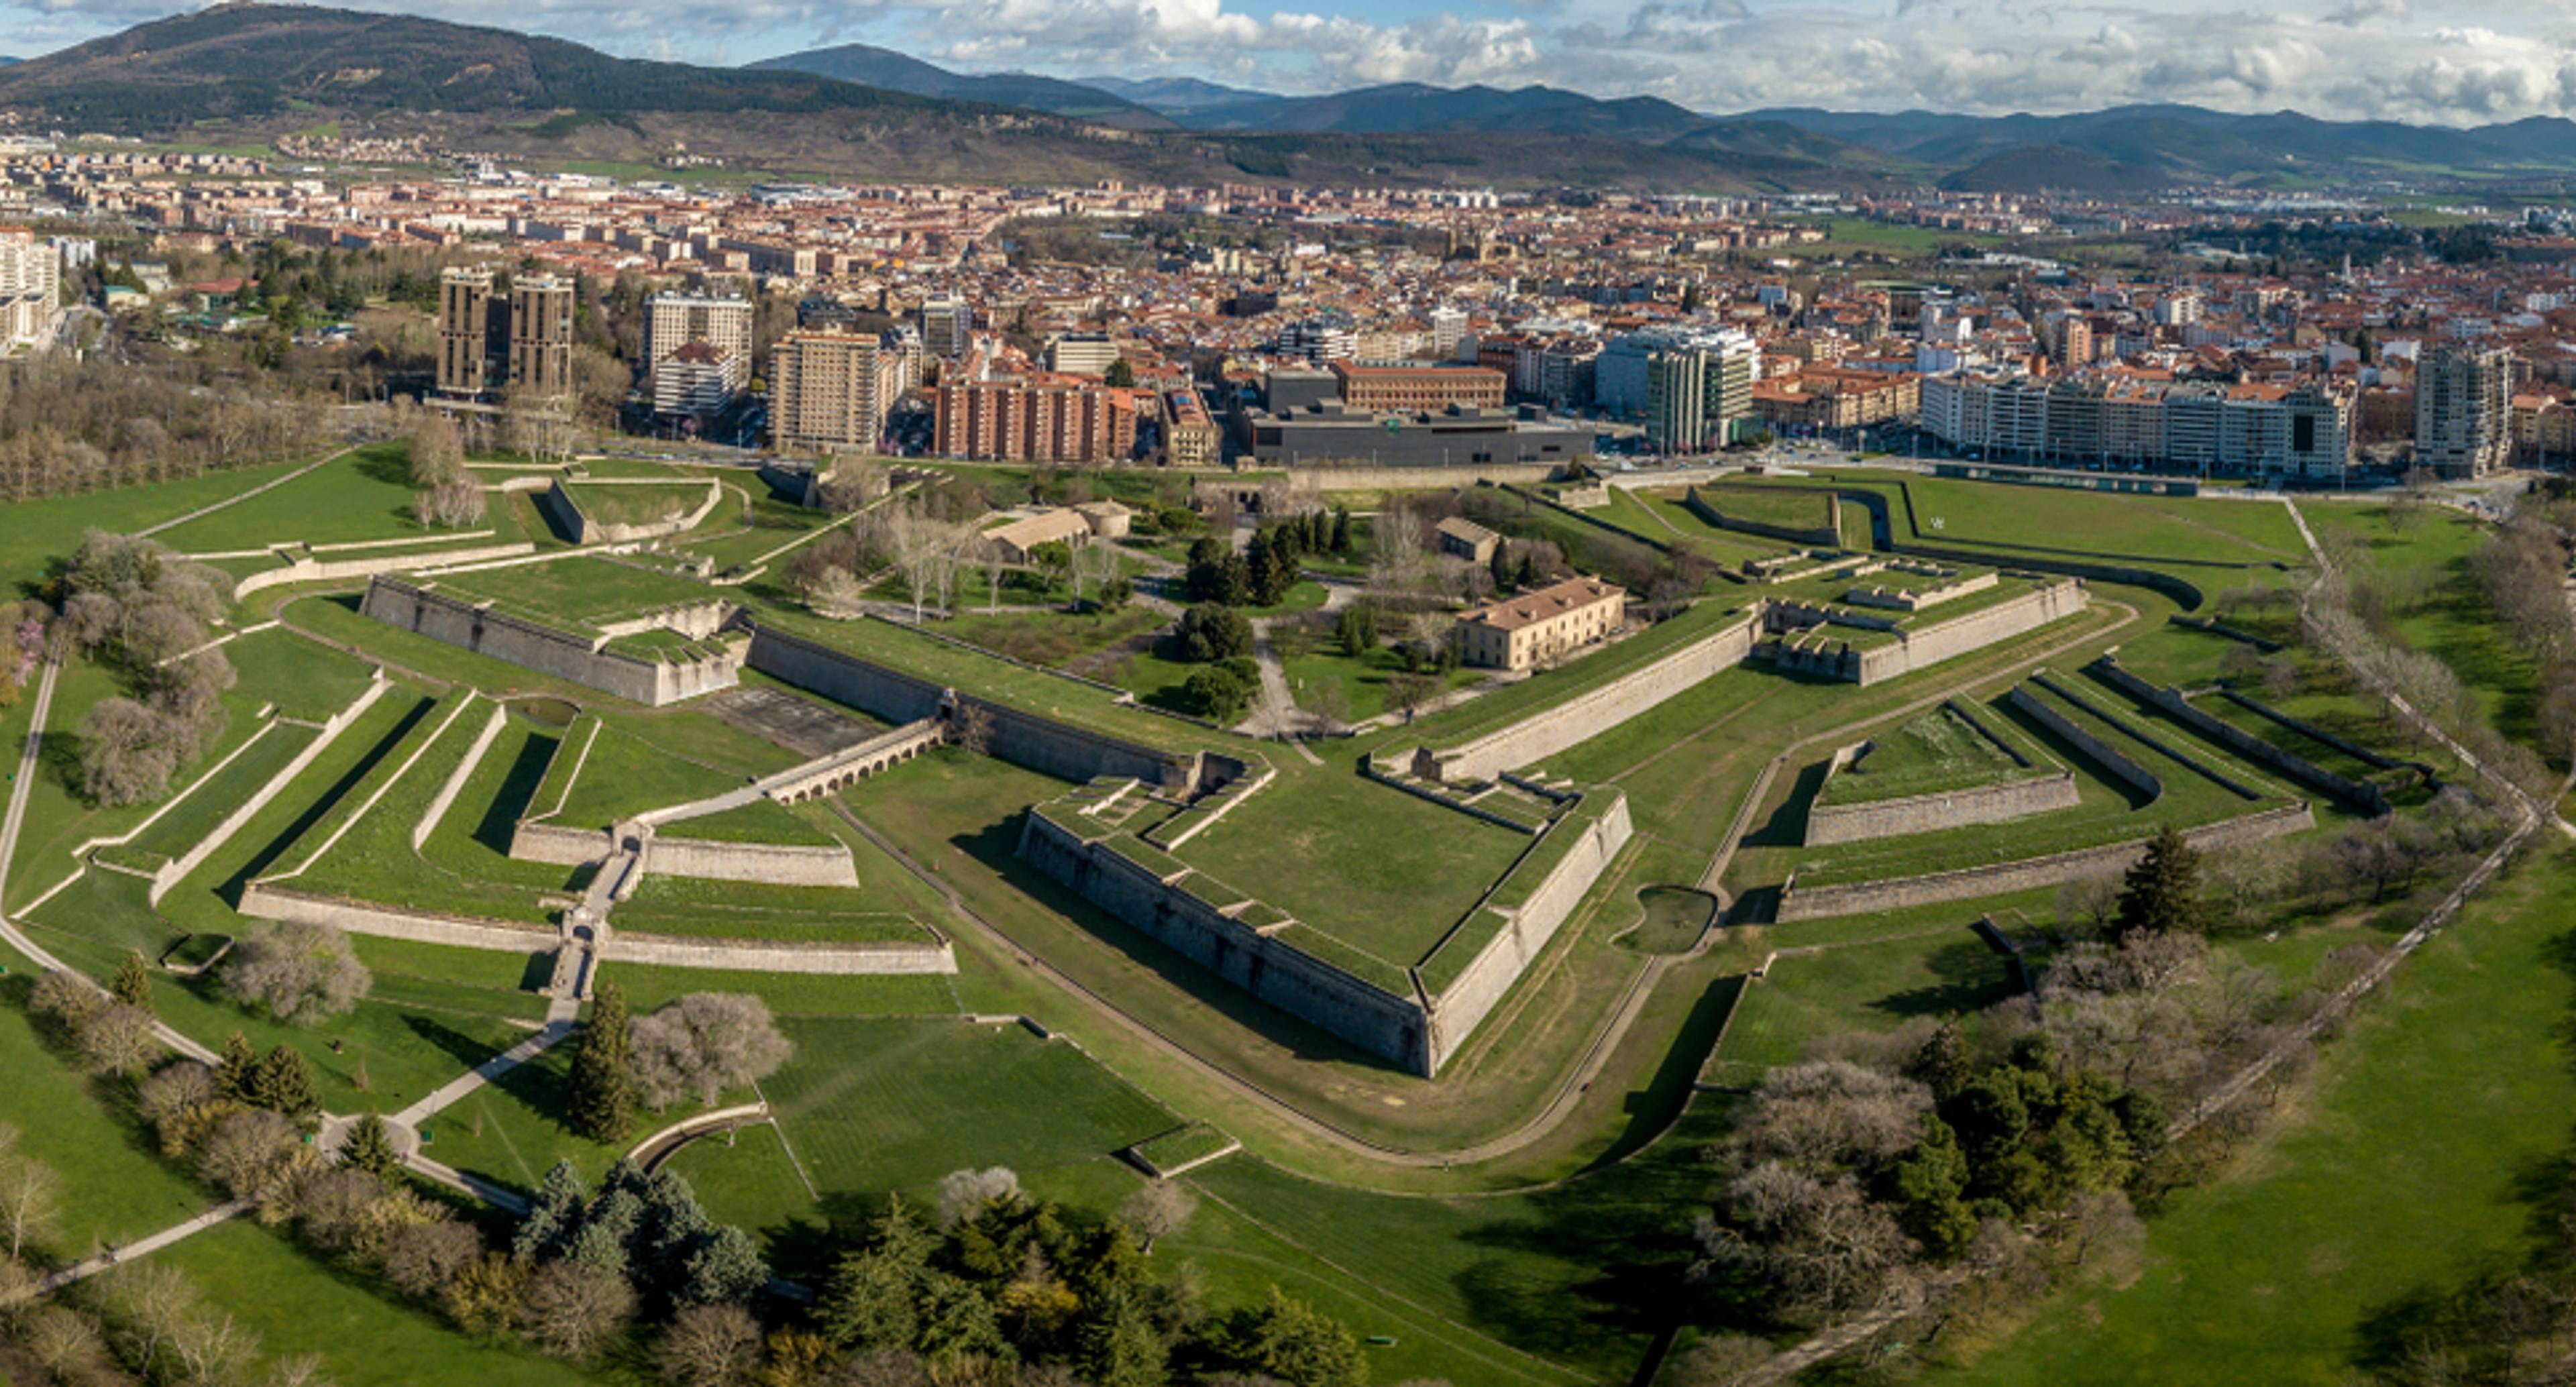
{"x":365,"y":1334}
{"x":1792,"y":510}
{"x":363,"y":496}
{"x":877,"y":1105}
{"x":2455,"y":622}
{"x":761,"y":821}
{"x":302,"y":678}
{"x":2097,"y":525}
{"x":637,"y":504}
{"x":625,"y":775}
{"x":2429,"y":1152}
{"x":1940,"y":749}
{"x":1871,"y":985}
{"x":1379,"y":869}
{"x":1363,"y":681}
{"x":35,"y":533}
{"x":576,"y":593}
{"x":114,"y":1187}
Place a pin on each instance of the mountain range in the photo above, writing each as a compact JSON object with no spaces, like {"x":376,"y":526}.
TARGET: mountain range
{"x":246,"y":70}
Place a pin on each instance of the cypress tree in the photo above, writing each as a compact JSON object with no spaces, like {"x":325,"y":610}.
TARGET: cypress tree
{"x":2162,"y":891}
{"x":133,"y":984}
{"x":371,"y":1148}
{"x":233,"y":1073}
{"x":284,"y":1083}
{"x":1501,"y":568}
{"x":603,"y":1071}
{"x":1341,"y":529}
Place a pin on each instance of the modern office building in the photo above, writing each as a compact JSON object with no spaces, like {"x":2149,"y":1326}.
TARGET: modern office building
{"x":1698,"y":396}
{"x":947,"y":328}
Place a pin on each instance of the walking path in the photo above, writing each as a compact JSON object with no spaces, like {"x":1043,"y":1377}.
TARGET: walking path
{"x":238,"y":497}
{"x":143,"y":1247}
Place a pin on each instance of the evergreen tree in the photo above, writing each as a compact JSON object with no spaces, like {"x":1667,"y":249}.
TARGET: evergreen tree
{"x":234,"y":1071}
{"x":1501,"y":569}
{"x":2161,"y":892}
{"x":602,"y":1105}
{"x":726,"y":1269}
{"x":1929,"y":1190}
{"x":1528,"y":577}
{"x":371,"y":1148}
{"x":1120,"y":1346}
{"x":1942,"y":1063}
{"x":1290,"y":1341}
{"x":553,"y":1217}
{"x":873,"y":1298}
{"x":609,"y":1228}
{"x":133,"y":984}
{"x":1341,"y":530}
{"x":284,"y":1083}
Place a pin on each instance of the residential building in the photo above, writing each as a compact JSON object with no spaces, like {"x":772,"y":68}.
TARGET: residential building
{"x":709,"y":379}
{"x":31,"y":289}
{"x":1082,"y":354}
{"x":1038,"y":418}
{"x":540,"y":335}
{"x":831,"y":391}
{"x":464,"y":332}
{"x":1698,"y":397}
{"x":1190,"y":437}
{"x":947,"y":328}
{"x":1417,"y":388}
{"x":2464,"y":410}
{"x":1526,"y":629}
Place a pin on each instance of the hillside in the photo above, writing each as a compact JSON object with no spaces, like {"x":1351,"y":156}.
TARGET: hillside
{"x":871,"y":66}
{"x":1175,"y":95}
{"x":1411,"y":107}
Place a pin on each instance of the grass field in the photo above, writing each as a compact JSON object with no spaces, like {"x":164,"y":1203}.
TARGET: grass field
{"x":576,"y":593}
{"x":624,"y":775}
{"x":362,"y":496}
{"x":1872,"y":985}
{"x":33,"y":534}
{"x":365,"y":1336}
{"x":636,"y":504}
{"x":2455,"y":622}
{"x":760,"y":821}
{"x":114,"y":1187}
{"x":302,"y":678}
{"x":2429,"y":1152}
{"x":1932,"y":751}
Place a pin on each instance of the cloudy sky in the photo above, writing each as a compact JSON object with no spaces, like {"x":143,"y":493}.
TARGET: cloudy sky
{"x":2468,"y":62}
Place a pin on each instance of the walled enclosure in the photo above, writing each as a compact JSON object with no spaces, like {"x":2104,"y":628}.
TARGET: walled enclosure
{"x":2366,"y":798}
{"x":1708,"y":503}
{"x":1247,"y":942}
{"x":585,"y":530}
{"x":1828,"y":824}
{"x":1578,"y":720}
{"x":476,"y":626}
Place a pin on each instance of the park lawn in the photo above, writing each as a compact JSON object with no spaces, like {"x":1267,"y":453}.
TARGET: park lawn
{"x":1237,"y":1260}
{"x":2429,"y":1150}
{"x":791,"y":994}
{"x":761,"y":821}
{"x":1053,"y":639}
{"x":1156,"y":679}
{"x":60,"y":816}
{"x":2456,"y":621}
{"x":876,"y":1105}
{"x":409,"y":1042}
{"x":34,"y":534}
{"x":365,"y":1334}
{"x":2103,"y":526}
{"x":1382,"y":870}
{"x":1363,"y":681}
{"x":473,"y":840}
{"x":362,"y":495}
{"x":578,"y":593}
{"x":1869,"y":985}
{"x":114,"y":1186}
{"x":300,"y":677}
{"x":671,"y":904}
{"x":221,"y":792}
{"x":624,"y":775}
{"x":2173,"y":656}
{"x":768,"y":526}
{"x":1305,"y":595}
{"x":1731,"y":548}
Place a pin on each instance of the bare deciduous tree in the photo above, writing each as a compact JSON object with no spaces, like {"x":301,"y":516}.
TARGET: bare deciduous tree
{"x":703,"y":1044}
{"x":964,"y":1193}
{"x":710,"y":1346}
{"x":424,"y":1258}
{"x":571,"y":1308}
{"x":302,"y":973}
{"x":1158,"y":1210}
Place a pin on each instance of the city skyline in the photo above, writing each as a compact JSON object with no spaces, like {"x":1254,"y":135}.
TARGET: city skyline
{"x":2495,"y":60}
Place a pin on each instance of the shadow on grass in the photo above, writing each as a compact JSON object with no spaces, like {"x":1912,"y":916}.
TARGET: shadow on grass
{"x":501,"y":817}
{"x":231,"y":889}
{"x":1787,"y":826}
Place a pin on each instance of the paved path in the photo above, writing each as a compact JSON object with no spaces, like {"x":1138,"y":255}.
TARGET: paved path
{"x":239,"y":497}
{"x":142,"y":1247}
{"x":455,"y":1090}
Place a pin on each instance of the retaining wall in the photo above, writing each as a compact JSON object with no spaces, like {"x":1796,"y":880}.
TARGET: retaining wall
{"x":1464,"y":1004}
{"x":1027,"y":739}
{"x":2367,"y":798}
{"x":792,"y":864}
{"x":1326,"y":477}
{"x":1270,"y":969}
{"x":558,"y":845}
{"x":1926,"y":646}
{"x":2003,"y":878}
{"x":177,"y":869}
{"x":446,"y":797}
{"x":2121,"y":768}
{"x":267,"y":900}
{"x":485,"y":631}
{"x":585,"y":530}
{"x":326,"y":570}
{"x":1828,"y":824}
{"x":755,"y":956}
{"x":1545,"y":733}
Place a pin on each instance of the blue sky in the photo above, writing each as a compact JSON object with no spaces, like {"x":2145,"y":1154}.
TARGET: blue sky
{"x":2417,"y":60}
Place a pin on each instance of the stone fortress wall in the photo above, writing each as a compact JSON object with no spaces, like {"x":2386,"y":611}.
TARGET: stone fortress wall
{"x":1804,"y":640}
{"x":1242,"y":953}
{"x":1708,"y":502}
{"x":1577,"y":720}
{"x":2035,"y":793}
{"x":1461,"y":1006}
{"x":584,"y":529}
{"x":2362,"y":796}
{"x":2003,"y":878}
{"x":1026,"y":739}
{"x":477,"y":626}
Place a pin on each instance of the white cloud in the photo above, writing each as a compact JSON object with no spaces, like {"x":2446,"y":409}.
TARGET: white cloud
{"x":2462,"y":61}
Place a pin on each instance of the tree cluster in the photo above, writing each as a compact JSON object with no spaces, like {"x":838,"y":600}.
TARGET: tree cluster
{"x":77,"y":426}
{"x":703,"y":1044}
{"x":136,"y":604}
{"x":641,"y":1245}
